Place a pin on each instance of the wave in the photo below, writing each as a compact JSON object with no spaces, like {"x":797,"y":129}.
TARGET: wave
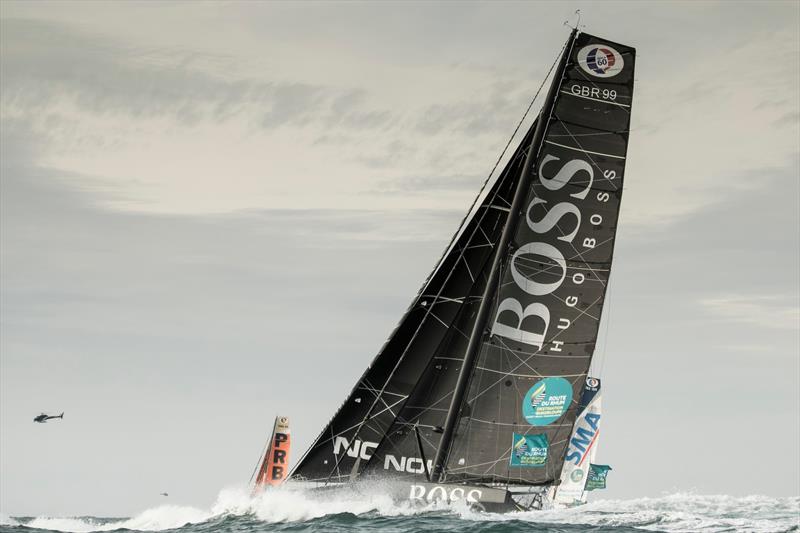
{"x":677,"y":512}
{"x":6,"y":520}
{"x":288,"y":505}
{"x":156,"y":519}
{"x":284,"y":504}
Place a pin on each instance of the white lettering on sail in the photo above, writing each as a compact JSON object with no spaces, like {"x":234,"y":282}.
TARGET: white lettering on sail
{"x":364,"y":449}
{"x":551,"y":260}
{"x":547,"y":251}
{"x":391,"y":461}
{"x":412,"y":465}
{"x":552,"y":217}
{"x":517,"y":333}
{"x":566,"y":173}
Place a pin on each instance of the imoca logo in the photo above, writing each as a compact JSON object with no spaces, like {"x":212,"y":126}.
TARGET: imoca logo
{"x":600,"y":61}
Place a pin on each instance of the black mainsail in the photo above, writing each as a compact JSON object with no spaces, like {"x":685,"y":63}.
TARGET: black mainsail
{"x":492,"y":356}
{"x":536,"y":349}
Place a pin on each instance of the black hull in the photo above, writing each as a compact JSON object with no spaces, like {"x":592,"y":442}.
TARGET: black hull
{"x":478,"y":497}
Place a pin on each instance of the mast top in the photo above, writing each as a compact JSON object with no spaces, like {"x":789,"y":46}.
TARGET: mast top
{"x":577,"y":27}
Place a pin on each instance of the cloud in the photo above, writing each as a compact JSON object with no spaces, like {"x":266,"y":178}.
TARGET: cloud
{"x":265,"y":118}
{"x":773,"y":311}
{"x":429,"y":184}
{"x":47,"y":64}
{"x":791,"y":118}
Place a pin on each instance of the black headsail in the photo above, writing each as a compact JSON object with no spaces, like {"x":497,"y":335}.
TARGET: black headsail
{"x":349,"y":440}
{"x":533,"y":351}
{"x":410,"y":444}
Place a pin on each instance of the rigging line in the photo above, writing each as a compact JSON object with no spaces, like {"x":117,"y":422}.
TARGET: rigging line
{"x":374,"y":390}
{"x":548,"y":269}
{"x":594,"y":128}
{"x":591,"y":82}
{"x":488,"y":240}
{"x":535,"y":375}
{"x":580,"y":254}
{"x":443,"y":342}
{"x":431,"y":407}
{"x":469,"y":270}
{"x":453,"y":239}
{"x":552,"y":135}
{"x":539,"y":266}
{"x":497,"y":163}
{"x":605,"y":340}
{"x":514,"y":353}
{"x":580,"y":314}
{"x":479,"y":220}
{"x":580,"y":148}
{"x":260,"y":457}
{"x":368,"y":416}
{"x":380,"y":397}
{"x":339,"y":434}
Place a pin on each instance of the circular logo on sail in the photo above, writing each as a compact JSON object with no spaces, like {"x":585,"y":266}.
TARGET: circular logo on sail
{"x":546,"y":401}
{"x":576,"y":475}
{"x":601,"y":61}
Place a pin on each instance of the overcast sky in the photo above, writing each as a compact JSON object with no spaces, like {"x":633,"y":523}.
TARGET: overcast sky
{"x":214,"y":213}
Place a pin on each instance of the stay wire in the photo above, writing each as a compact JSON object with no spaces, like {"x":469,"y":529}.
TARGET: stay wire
{"x":503,"y":153}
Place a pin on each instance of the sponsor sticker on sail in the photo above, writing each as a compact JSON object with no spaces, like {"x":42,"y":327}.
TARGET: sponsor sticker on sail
{"x":546,"y":401}
{"x":600,"y":60}
{"x":529,"y":450}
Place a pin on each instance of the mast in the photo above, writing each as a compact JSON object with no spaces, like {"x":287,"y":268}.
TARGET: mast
{"x":476,"y":336}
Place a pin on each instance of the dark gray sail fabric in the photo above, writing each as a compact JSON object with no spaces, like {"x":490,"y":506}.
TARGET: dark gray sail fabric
{"x":338,"y":454}
{"x":528,"y":379}
{"x":399,"y":451}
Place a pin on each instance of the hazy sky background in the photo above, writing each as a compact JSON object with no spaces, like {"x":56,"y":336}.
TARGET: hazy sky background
{"x":213,"y":213}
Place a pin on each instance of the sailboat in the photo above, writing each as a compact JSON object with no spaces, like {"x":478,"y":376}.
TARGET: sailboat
{"x":273,"y":466}
{"x":481,"y":393}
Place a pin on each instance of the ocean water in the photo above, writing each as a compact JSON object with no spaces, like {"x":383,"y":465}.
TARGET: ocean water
{"x":293,"y":510}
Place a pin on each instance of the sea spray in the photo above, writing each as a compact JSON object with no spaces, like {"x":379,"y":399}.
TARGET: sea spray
{"x":301,"y":510}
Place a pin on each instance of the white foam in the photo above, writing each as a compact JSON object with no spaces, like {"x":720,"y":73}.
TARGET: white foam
{"x":6,"y":520}
{"x":674,"y":512}
{"x":291,"y":504}
{"x":155,"y":519}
